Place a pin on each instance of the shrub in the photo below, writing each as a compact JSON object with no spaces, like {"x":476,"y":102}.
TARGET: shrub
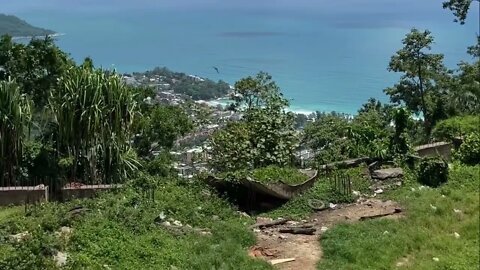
{"x":456,"y":127}
{"x":433,"y":172}
{"x":469,"y":151}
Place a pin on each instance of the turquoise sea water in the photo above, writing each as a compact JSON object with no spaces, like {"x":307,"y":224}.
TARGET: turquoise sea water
{"x":324,"y":56}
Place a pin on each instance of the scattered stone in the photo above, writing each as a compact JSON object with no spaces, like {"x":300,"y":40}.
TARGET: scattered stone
{"x":378,"y":191}
{"x":456,"y":235}
{"x":60,"y":259}
{"x":323,"y":229}
{"x":383,"y":174}
{"x":19,"y":237}
{"x":435,"y":259}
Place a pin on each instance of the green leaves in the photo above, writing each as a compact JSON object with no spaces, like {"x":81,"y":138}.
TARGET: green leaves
{"x":94,"y":112}
{"x":15,"y":117}
{"x":265,"y":135}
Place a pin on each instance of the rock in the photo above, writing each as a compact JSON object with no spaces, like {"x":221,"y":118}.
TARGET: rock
{"x":332,"y":205}
{"x":205,"y":233}
{"x":383,"y":174}
{"x":162,"y":216}
{"x":60,"y":259}
{"x":261,"y":220}
{"x":434,"y":208}
{"x":323,"y":229}
{"x":256,"y":230}
{"x":378,"y":191}
{"x":457,"y":211}
{"x":292,"y":223}
{"x":19,"y":237}
{"x":456,"y":235}
{"x":356,"y":193}
{"x":435,"y":259}
{"x":283,"y":237}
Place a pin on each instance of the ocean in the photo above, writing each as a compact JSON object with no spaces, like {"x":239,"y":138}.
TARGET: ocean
{"x":324,"y":55}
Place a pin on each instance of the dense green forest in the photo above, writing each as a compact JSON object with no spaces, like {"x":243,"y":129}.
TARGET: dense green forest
{"x":64,"y":122}
{"x":16,"y":27}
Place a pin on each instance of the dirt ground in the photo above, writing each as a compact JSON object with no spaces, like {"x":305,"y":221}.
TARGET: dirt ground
{"x":271,"y":244}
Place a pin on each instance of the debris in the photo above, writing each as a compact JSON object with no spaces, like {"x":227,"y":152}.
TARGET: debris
{"x":177,"y":223}
{"x":356,"y":193}
{"x":385,"y":232}
{"x":162,"y":216}
{"x":166,"y":224}
{"x":256,"y":230}
{"x":396,"y":211}
{"x":413,"y":189}
{"x":283,"y":237}
{"x":443,"y":196}
{"x":435,"y":259}
{"x":332,"y":205}
{"x":243,"y":214}
{"x":323,"y":229}
{"x":383,"y":174}
{"x":279,"y":261}
{"x":270,"y":224}
{"x":292,"y":223}
{"x":19,"y":237}
{"x":422,"y":187}
{"x":257,"y":251}
{"x":434,"y":208}
{"x":296,"y":230}
{"x":457,"y":211}
{"x":60,"y":259}
{"x":378,"y":191}
{"x":456,"y":235}
{"x":317,"y":205}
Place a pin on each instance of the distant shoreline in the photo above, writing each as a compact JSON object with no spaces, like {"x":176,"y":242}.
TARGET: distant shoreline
{"x":30,"y":37}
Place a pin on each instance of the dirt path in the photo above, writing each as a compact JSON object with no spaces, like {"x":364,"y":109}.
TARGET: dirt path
{"x":271,"y":244}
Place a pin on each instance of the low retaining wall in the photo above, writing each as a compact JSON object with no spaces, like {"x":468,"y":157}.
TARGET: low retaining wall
{"x":86,"y":191}
{"x":443,"y":149}
{"x":22,"y":195}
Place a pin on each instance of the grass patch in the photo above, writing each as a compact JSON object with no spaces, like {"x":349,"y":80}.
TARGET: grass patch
{"x":323,"y":190}
{"x":426,"y":233}
{"x":269,"y":174}
{"x":119,"y":232}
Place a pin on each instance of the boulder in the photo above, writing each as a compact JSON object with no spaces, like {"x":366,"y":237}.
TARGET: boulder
{"x":383,"y":174}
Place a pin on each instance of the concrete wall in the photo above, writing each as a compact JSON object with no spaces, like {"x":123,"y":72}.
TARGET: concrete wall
{"x":22,"y":195}
{"x":87,"y":191}
{"x":442,"y":149}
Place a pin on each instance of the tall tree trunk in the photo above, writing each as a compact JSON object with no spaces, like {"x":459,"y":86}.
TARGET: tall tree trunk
{"x":426,"y":118}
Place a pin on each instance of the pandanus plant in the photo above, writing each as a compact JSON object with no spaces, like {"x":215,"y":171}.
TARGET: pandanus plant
{"x":15,"y":118}
{"x":94,"y":111}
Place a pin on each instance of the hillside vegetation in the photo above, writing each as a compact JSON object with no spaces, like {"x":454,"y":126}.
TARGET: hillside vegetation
{"x":16,"y":27}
